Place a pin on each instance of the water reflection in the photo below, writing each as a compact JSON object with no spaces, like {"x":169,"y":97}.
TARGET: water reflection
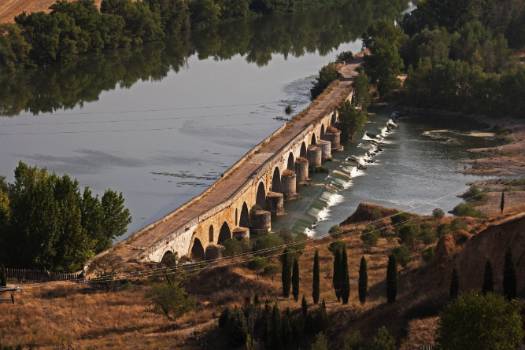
{"x":66,"y":87}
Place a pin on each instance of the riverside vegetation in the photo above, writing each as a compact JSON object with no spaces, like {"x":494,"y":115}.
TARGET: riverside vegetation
{"x":47,"y":222}
{"x":457,"y":56}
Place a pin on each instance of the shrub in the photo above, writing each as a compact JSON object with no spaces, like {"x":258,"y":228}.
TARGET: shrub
{"x":400,"y":218}
{"x":257,"y":263}
{"x":428,"y":234}
{"x":428,"y":254}
{"x":267,"y":241}
{"x":466,"y":209}
{"x":234,"y":247}
{"x":335,"y":231}
{"x":170,"y":299}
{"x":370,"y":236}
{"x":402,"y":254}
{"x":408,"y":233}
{"x":383,"y":340}
{"x":480,"y":322}
{"x":474,"y":195}
{"x":438,"y":213}
{"x":345,"y":56}
{"x":271,"y":270}
{"x":458,"y":224}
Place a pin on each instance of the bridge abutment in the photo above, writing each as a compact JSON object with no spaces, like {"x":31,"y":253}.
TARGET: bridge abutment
{"x":314,"y":156}
{"x":275,"y":202}
{"x":301,"y":169}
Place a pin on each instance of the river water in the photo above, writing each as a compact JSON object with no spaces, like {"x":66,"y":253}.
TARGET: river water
{"x":161,"y":124}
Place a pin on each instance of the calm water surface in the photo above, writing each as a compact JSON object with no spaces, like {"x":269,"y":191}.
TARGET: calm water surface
{"x":161,"y":124}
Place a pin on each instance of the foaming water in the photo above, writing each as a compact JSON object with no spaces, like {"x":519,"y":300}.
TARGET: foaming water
{"x":395,"y":164}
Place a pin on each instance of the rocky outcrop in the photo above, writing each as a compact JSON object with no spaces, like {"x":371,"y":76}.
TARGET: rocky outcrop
{"x":369,"y":212}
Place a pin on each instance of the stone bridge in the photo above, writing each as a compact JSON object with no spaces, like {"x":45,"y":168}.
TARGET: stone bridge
{"x":249,"y":194}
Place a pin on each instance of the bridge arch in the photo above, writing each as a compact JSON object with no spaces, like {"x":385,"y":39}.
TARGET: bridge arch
{"x":225,"y":233}
{"x":197,"y":250}
{"x":261,"y":195}
{"x":314,"y":139}
{"x":291,"y":162}
{"x":236,"y":216}
{"x":302,"y":153}
{"x":322,"y":131}
{"x":210,"y":234}
{"x":334,"y":118}
{"x":245,"y":216}
{"x":169,"y":259}
{"x":276,"y":180}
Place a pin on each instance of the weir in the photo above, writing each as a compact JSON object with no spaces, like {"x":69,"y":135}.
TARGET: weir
{"x":244,"y":199}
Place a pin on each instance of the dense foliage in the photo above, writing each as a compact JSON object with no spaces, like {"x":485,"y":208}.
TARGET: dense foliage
{"x":265,"y":327}
{"x":46,"y":221}
{"x":82,"y":79}
{"x":481,"y":322}
{"x":72,"y":29}
{"x":457,"y":55}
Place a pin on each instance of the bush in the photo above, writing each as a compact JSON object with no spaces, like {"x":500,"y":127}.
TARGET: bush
{"x":474,"y":195}
{"x":234,"y":247}
{"x":370,"y":236}
{"x":335,"y":231}
{"x":438,"y":213}
{"x":481,"y":322}
{"x":466,"y":209}
{"x":408,"y":233}
{"x":327,"y":74}
{"x":458,"y":224}
{"x":345,"y":56}
{"x":402,"y":254}
{"x":257,"y":263}
{"x":428,"y":254}
{"x":427,"y":234}
{"x":271,"y":270}
{"x":268,"y":241}
{"x":400,"y":218}
{"x":170,"y":299}
{"x":383,"y":340}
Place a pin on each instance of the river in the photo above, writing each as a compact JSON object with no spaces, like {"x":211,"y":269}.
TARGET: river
{"x":162,"y":123}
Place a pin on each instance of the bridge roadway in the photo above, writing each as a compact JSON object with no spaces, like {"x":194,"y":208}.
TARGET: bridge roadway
{"x":137,"y":249}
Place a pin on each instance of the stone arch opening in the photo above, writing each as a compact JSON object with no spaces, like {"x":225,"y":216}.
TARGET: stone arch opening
{"x":245,"y":216}
{"x":236,"y":217}
{"x":334,"y":118}
{"x":197,"y":251}
{"x":261,"y":196}
{"x":291,"y":162}
{"x":322,"y":130}
{"x":314,"y":139}
{"x":169,"y":259}
{"x":210,"y":234}
{"x":276,"y":180}
{"x":303,"y":150}
{"x":225,"y":233}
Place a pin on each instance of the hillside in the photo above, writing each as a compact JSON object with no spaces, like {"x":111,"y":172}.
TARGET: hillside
{"x":9,"y":9}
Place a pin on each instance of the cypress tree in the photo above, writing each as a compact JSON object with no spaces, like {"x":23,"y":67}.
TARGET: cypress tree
{"x":3,"y":276}
{"x":315,"y":281}
{"x":502,"y":202}
{"x":345,"y":278}
{"x":391,"y":279}
{"x":304,"y":307}
{"x":454,"y":284}
{"x":276,"y":338}
{"x":336,"y":278}
{"x":488,"y":280}
{"x":295,"y":280}
{"x":363,"y":280}
{"x":323,"y":317}
{"x":509,"y":277}
{"x":285,"y":273}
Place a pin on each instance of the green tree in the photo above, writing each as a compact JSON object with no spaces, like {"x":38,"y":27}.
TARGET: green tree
{"x":170,"y":299}
{"x":286,"y":260}
{"x":488,"y":279}
{"x":315,"y":278}
{"x":327,"y":74}
{"x":345,"y":278}
{"x":352,"y":121}
{"x":509,"y":277}
{"x":362,"y":91}
{"x":363,"y":280}
{"x":454,"y":285}
{"x":337,"y":273}
{"x":391,"y":279}
{"x":383,"y":340}
{"x":295,"y":279}
{"x":483,"y":322}
{"x":116,"y":217}
{"x":402,"y":254}
{"x":204,"y":13}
